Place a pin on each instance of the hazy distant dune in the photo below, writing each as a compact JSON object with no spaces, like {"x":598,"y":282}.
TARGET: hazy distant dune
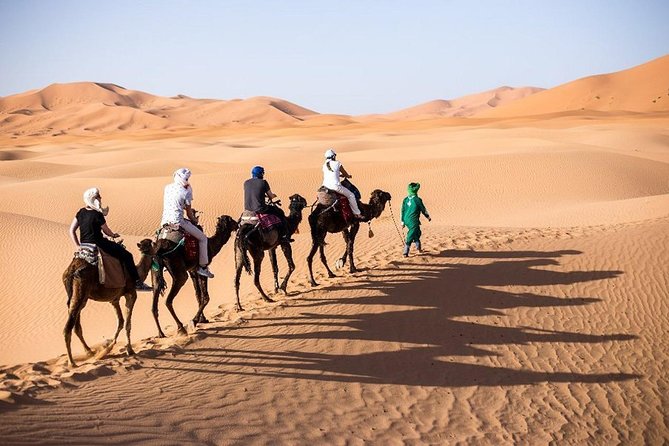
{"x":644,"y":88}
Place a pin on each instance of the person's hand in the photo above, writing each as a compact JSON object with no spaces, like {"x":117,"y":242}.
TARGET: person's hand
{"x":116,"y":235}
{"x":402,"y":224}
{"x":429,"y":218}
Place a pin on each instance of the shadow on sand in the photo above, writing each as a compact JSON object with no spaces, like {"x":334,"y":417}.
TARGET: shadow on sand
{"x":427,"y":337}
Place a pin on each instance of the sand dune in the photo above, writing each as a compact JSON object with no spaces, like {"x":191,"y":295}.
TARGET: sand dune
{"x":465,"y":106}
{"x":87,"y":107}
{"x":536,"y":314}
{"x":643,"y":88}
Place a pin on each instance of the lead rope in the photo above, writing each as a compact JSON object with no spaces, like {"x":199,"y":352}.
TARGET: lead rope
{"x":400,"y":235}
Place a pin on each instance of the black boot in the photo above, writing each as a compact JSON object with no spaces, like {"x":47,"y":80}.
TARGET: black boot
{"x":141,"y":286}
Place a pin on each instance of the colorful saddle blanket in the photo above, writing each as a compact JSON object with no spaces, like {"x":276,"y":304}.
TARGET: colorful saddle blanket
{"x":176,"y":234}
{"x":266,"y":221}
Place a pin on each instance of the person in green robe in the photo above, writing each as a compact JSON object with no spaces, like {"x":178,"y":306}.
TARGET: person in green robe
{"x":412,"y":207}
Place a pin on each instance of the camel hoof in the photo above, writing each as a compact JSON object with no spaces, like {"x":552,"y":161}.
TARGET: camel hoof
{"x":267,"y":299}
{"x":72,"y":364}
{"x":182,"y":331}
{"x":130,"y":351}
{"x":283,"y":291}
{"x":161,"y":334}
{"x":314,"y":283}
{"x":203,"y":320}
{"x":332,"y":275}
{"x":238,"y":308}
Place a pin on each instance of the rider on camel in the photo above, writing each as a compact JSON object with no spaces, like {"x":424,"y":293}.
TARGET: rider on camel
{"x":91,"y":222}
{"x":332,"y":173}
{"x":177,"y":199}
{"x":256,"y":190}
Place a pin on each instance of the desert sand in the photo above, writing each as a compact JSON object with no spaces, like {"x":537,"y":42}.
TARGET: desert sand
{"x":537,"y":312}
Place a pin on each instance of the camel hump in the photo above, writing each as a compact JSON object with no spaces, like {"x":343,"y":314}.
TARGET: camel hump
{"x":325,"y":196}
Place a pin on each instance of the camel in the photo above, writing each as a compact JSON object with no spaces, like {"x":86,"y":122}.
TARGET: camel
{"x":82,"y":283}
{"x":324,"y":219}
{"x":253,"y":241}
{"x":168,"y":255}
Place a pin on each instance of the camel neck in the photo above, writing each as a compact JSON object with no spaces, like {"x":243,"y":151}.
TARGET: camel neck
{"x":216,"y":242}
{"x":144,"y":266}
{"x":294,"y":219}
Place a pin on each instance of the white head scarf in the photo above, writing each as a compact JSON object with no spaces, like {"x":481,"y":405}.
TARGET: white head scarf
{"x":181,"y":176}
{"x":92,"y":200}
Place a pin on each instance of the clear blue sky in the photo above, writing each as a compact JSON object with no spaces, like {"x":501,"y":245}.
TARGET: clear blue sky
{"x":348,"y":57}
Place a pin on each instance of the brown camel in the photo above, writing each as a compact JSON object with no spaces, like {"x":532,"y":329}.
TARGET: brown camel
{"x":169,"y":256}
{"x":82,"y":283}
{"x":250,"y":239}
{"x":324,"y":219}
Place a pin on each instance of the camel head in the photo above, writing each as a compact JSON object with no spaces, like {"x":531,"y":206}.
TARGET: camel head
{"x":297,"y":203}
{"x":146,"y":247}
{"x":226,"y":223}
{"x":379,"y":196}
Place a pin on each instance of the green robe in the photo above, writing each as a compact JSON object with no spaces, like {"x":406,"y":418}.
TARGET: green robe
{"x":412,"y":207}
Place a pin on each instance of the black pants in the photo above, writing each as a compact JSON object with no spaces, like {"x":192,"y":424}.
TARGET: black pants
{"x":118,"y":251}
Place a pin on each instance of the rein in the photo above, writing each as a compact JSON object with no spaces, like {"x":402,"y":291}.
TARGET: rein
{"x":154,"y":264}
{"x":390,"y":206}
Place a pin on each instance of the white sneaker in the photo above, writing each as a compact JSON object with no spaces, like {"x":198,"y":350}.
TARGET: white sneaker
{"x":204,"y":271}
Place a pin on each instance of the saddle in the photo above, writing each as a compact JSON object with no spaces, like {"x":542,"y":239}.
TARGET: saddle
{"x":264,"y":221}
{"x":175,"y":234}
{"x":337,"y":201}
{"x":111,"y":272}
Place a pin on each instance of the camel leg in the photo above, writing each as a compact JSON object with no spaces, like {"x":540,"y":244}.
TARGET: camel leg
{"x":324,"y":261}
{"x":239,"y":265}
{"x":130,"y":299}
{"x":156,"y":297}
{"x":198,"y":285}
{"x":80,"y":335}
{"x":275,"y":268}
{"x":310,"y":259}
{"x":77,"y":303}
{"x":288,"y":253}
{"x":119,"y":316}
{"x":179,"y":278}
{"x":257,"y":265}
{"x":342,"y":260}
{"x":351,"y":241}
{"x":203,"y":301}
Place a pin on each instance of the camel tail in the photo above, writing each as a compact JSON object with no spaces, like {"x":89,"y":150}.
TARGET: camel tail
{"x":313,"y":217}
{"x":158,"y":267}
{"x":243,"y":252}
{"x":313,"y":227}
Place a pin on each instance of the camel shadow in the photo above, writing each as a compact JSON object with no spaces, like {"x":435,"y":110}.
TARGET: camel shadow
{"x":421,"y":340}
